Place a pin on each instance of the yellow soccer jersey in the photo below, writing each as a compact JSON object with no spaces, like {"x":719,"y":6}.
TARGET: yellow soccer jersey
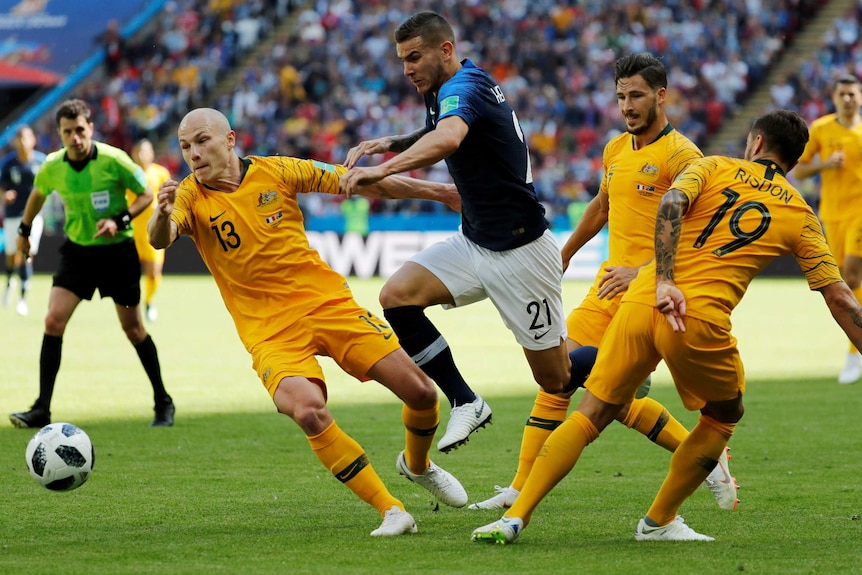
{"x":634,"y":182}
{"x":741,"y":216}
{"x":253,"y":241}
{"x":156,"y":175}
{"x":840,"y":189}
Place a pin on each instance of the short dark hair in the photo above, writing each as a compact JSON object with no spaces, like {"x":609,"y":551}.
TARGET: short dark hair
{"x":784,"y":133}
{"x":649,"y":67}
{"x":71,"y":109}
{"x":845,"y":80}
{"x":432,"y":27}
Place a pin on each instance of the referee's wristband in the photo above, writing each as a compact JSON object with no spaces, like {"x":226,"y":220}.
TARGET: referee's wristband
{"x":123,"y":220}
{"x":24,"y":230}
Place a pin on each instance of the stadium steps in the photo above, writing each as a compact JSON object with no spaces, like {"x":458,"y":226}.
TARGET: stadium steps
{"x":731,"y":138}
{"x":228,"y":82}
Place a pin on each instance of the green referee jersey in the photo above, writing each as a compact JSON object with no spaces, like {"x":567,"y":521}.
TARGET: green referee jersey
{"x":96,"y":192}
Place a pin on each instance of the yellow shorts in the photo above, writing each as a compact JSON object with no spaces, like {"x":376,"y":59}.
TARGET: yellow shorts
{"x":351,"y":335}
{"x":704,"y":361}
{"x":588,"y":322}
{"x":844,"y":238}
{"x":146,"y":252}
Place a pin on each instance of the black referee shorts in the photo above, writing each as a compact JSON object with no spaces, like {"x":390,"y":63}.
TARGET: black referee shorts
{"x":114,"y":269}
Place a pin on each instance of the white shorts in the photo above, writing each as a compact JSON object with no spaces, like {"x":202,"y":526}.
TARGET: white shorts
{"x":523,"y":283}
{"x":10,"y":231}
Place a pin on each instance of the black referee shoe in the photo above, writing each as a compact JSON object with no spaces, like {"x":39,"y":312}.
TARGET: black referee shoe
{"x":37,"y":417}
{"x":164,"y":414}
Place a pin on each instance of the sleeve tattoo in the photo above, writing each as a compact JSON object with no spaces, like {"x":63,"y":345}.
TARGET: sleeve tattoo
{"x":668,"y":224}
{"x":400,"y":143}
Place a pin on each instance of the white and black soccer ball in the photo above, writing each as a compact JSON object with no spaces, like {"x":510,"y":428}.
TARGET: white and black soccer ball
{"x":60,"y":456}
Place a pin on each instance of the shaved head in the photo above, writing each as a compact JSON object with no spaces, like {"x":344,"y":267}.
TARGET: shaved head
{"x":209,"y":117}
{"x":207,"y":143}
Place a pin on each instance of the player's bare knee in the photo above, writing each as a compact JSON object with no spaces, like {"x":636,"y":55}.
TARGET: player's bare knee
{"x":554,"y":385}
{"x":414,"y":388}
{"x":623,"y":413}
{"x":311,"y":418}
{"x":136,"y":333}
{"x":394,"y":294}
{"x":423,"y":393}
{"x":552,"y":380}
{"x":55,"y":325}
{"x":725,"y":411}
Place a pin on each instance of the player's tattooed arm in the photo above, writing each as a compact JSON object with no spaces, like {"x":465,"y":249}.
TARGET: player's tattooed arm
{"x":400,"y":143}
{"x":668,"y":224}
{"x":845,"y":309}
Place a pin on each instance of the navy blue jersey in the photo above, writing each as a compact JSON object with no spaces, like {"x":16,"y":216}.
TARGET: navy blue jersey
{"x":17,"y":175}
{"x":491,"y":168}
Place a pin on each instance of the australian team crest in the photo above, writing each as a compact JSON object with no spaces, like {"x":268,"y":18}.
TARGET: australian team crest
{"x":267,"y":198}
{"x":649,"y":170}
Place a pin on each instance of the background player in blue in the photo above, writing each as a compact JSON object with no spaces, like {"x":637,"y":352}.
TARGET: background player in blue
{"x":16,"y":182}
{"x":504,"y":252}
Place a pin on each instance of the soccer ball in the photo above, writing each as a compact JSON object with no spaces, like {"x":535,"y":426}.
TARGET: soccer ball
{"x":60,"y":456}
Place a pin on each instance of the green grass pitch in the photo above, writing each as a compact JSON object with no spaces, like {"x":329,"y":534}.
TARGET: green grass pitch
{"x":234,"y":488}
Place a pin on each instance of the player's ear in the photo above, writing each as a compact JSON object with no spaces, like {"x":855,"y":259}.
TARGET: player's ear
{"x":447,"y":49}
{"x":759,"y":144}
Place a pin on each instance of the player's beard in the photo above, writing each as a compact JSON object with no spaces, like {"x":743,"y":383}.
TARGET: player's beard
{"x":439,"y":78}
{"x":651,"y":118}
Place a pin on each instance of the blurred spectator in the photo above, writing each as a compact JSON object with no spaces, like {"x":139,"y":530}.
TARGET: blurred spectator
{"x":114,"y":46}
{"x":332,"y":71}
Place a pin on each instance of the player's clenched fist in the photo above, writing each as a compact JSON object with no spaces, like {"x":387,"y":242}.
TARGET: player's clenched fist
{"x":161,"y":231}
{"x":167,"y":196}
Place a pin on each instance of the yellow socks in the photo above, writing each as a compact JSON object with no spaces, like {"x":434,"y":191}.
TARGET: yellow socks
{"x":347,"y":461}
{"x":548,"y":413}
{"x":654,"y":421}
{"x":150,"y":287}
{"x":559,"y":454}
{"x":420,"y":428}
{"x":695,"y":457}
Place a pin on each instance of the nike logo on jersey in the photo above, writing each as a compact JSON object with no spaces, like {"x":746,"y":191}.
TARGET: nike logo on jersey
{"x":214,"y":218}
{"x":538,"y":336}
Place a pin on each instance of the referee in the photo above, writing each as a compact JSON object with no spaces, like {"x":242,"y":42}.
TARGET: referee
{"x":99,"y":252}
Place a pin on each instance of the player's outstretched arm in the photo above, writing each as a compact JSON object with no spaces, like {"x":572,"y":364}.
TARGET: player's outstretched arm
{"x":845,"y":309}
{"x":161,"y":230}
{"x":402,"y":188}
{"x":382,"y":145}
{"x":434,"y":146}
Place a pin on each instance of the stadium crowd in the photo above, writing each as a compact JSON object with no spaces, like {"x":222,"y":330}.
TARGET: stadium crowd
{"x":807,"y":86}
{"x":340,"y":82}
{"x":332,"y":79}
